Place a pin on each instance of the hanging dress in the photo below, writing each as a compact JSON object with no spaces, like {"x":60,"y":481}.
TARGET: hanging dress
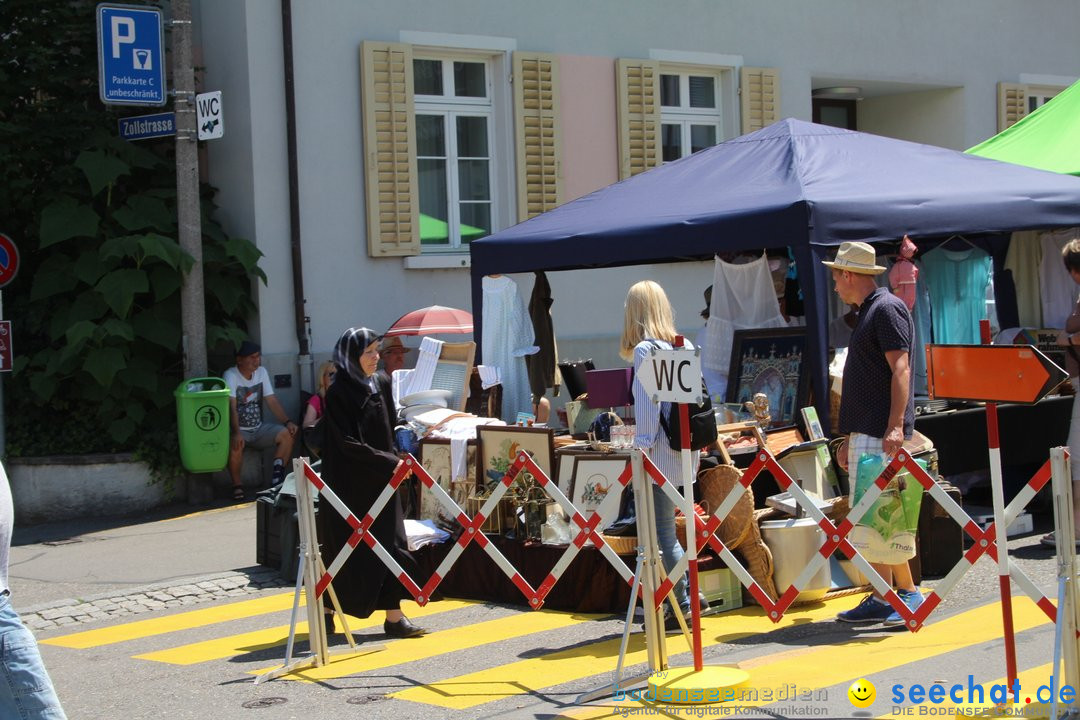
{"x":743,"y":298}
{"x":508,"y":338}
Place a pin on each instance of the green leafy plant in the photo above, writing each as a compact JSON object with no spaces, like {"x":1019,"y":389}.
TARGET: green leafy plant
{"x":96,"y":304}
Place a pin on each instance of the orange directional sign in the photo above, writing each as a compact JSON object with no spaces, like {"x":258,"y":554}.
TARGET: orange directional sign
{"x":991,"y":373}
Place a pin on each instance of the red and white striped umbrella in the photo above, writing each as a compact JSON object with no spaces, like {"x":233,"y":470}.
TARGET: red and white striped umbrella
{"x":434,"y":320}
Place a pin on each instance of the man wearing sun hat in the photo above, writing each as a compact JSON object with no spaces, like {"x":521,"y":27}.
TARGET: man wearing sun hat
{"x":877,"y":405}
{"x":393,"y":354}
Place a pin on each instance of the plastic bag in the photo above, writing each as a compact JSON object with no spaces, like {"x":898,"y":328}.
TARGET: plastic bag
{"x":886,"y":533}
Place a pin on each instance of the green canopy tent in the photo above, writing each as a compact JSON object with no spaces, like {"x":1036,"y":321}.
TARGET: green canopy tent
{"x":1047,"y":139}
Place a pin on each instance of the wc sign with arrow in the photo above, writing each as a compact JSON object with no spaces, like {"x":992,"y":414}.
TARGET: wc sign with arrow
{"x":208,"y":115}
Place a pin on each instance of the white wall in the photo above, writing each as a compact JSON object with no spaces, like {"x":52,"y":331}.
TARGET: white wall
{"x":932,"y":117}
{"x":970,"y":45}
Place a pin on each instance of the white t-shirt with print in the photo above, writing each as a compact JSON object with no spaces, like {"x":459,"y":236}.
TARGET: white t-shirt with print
{"x":249,"y":395}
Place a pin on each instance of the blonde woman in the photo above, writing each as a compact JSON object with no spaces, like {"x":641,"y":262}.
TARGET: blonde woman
{"x":648,"y":322}
{"x":317,"y":402}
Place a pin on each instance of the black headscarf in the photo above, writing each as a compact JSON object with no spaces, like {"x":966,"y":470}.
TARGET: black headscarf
{"x":349,"y":347}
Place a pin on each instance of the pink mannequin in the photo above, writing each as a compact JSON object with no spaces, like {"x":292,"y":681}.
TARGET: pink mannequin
{"x":903,"y":275}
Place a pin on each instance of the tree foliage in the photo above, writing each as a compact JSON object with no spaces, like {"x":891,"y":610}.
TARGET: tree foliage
{"x":96,"y":304}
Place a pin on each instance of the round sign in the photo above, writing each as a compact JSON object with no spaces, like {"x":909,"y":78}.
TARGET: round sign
{"x":9,"y":260}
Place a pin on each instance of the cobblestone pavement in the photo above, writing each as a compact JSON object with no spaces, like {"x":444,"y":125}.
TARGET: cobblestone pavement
{"x":192,"y":591}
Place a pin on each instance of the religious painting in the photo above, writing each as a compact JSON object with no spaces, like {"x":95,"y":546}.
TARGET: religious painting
{"x":770,"y":361}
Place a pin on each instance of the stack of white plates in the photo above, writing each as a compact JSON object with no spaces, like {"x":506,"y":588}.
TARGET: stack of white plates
{"x":423,"y":401}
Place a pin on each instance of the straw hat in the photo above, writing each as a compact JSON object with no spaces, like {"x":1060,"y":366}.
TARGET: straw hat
{"x":856,"y":257}
{"x":394,"y":344}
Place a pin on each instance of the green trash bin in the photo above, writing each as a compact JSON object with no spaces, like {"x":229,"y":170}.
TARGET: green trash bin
{"x":202,"y":422}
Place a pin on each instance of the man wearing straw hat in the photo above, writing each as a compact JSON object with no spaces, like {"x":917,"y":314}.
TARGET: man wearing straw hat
{"x":877,"y":407}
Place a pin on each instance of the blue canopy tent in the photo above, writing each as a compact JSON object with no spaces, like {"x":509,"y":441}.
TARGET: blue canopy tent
{"x":793,"y":184}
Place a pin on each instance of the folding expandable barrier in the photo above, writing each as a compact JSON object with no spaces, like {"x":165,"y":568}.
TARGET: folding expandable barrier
{"x":984,"y":541}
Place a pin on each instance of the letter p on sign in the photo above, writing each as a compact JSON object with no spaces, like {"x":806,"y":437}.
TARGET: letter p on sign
{"x":123,"y":33}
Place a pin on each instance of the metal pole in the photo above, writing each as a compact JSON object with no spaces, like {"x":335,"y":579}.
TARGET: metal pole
{"x":3,"y":419}
{"x":690,"y":517}
{"x":1001,"y":532}
{"x":1067,"y":610}
{"x":189,"y":223}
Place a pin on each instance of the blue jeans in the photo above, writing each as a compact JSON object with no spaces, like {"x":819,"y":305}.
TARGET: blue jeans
{"x":26,"y":692}
{"x":670,"y":548}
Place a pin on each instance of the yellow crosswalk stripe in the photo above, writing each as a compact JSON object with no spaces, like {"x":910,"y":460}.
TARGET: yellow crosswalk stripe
{"x":173,"y":623}
{"x":825,"y":667}
{"x":438,"y":643}
{"x":234,"y":645}
{"x":467,"y":691}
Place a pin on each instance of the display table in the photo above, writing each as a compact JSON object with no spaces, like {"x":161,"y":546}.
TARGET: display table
{"x":1027,"y":433}
{"x":590,"y":583}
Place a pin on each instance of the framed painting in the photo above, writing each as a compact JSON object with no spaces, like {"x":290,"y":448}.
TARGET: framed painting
{"x":498,"y":445}
{"x":435,"y":457}
{"x":770,"y":361}
{"x":594,"y":477}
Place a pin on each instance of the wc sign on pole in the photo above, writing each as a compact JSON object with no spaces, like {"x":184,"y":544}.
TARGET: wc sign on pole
{"x":131,"y":55}
{"x":208,"y":115}
{"x":672,"y":376}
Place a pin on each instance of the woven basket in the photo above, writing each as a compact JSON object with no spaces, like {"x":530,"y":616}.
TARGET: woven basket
{"x":680,"y":530}
{"x":714,"y":485}
{"x":622,"y":545}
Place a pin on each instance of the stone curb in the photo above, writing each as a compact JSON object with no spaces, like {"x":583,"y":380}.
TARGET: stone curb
{"x":157,"y":596}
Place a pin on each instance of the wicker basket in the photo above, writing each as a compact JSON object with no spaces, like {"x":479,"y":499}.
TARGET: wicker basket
{"x":622,"y":545}
{"x":680,"y":530}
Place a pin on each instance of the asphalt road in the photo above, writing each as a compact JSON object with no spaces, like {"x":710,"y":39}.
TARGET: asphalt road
{"x":480,"y":660}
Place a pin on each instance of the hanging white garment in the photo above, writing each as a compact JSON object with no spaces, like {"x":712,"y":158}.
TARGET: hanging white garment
{"x":1023,"y":259}
{"x":508,"y":338}
{"x":1056,"y":287}
{"x":743,"y":298}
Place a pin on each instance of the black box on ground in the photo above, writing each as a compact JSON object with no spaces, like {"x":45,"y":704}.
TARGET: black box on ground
{"x":277,"y":536}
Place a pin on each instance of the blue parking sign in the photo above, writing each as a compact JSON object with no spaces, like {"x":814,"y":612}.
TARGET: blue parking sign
{"x":131,"y":57}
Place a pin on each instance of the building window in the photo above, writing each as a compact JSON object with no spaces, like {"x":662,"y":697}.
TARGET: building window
{"x":454,"y":151}
{"x":690,"y":113}
{"x":1038,"y":96}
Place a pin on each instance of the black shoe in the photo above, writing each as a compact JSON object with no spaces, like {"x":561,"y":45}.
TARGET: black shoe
{"x":402,"y":629}
{"x":328,"y":622}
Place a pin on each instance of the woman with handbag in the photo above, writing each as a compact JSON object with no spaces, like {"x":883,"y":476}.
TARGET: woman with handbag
{"x":648,"y":323}
{"x":357,"y":463}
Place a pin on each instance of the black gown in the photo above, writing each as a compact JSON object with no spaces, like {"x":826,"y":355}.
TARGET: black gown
{"x":358,"y":461}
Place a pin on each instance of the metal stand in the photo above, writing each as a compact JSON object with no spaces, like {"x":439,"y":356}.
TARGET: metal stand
{"x":310,"y":569}
{"x":645,"y":582}
{"x":1068,"y":609}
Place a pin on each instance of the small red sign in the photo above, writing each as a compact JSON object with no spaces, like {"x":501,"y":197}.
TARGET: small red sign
{"x":9,"y":260}
{"x":5,"y":346}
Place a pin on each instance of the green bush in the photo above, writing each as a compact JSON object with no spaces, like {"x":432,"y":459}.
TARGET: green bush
{"x":96,"y":304}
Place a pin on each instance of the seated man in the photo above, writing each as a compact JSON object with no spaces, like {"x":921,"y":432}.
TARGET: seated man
{"x":248,"y":384}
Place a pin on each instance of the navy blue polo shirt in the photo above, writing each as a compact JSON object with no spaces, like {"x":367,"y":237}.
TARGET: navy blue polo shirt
{"x":883,"y":324}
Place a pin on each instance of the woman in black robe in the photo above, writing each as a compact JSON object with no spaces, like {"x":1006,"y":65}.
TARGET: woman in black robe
{"x":358,"y":462}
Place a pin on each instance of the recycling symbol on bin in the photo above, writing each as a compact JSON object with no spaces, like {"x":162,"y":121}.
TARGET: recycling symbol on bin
{"x":207,"y":417}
